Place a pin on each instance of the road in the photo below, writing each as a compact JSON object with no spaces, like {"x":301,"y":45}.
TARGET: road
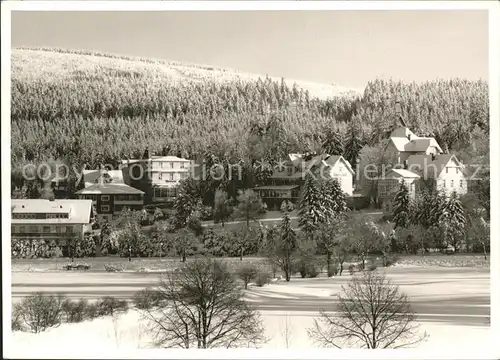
{"x":456,"y":296}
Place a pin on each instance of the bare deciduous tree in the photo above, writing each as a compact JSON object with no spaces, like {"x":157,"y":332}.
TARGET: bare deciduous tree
{"x":201,"y":306}
{"x":371,"y":313}
{"x":286,"y":331}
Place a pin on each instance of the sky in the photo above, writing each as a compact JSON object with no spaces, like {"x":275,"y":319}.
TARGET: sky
{"x":348,"y":48}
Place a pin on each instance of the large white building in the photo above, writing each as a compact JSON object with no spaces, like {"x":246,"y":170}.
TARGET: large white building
{"x":418,"y":162}
{"x":60,"y":220}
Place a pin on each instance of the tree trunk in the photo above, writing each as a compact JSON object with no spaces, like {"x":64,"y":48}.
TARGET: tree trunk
{"x":328,"y":264}
{"x":363,"y":263}
{"x":241,"y":253}
{"x":341,"y":268}
{"x":98,"y":249}
{"x":484,"y":251}
{"x":183,"y":257}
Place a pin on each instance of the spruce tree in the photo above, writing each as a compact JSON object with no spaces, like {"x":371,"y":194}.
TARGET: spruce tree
{"x":312,"y":209}
{"x":454,"y":221}
{"x":334,"y":199}
{"x":402,"y":208}
{"x":353,"y":145}
{"x":288,"y":245}
{"x":332,"y":143}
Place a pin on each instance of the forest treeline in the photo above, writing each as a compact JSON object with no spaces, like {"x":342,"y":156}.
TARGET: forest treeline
{"x":103,"y":114}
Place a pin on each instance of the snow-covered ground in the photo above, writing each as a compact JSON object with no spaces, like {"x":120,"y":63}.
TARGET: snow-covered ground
{"x":126,"y":332}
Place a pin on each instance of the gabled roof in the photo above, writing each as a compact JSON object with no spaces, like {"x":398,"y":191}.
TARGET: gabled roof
{"x":421,"y":144}
{"x":432,"y":168}
{"x":334,"y":159}
{"x":314,"y":162}
{"x":401,"y":173}
{"x":79,"y":210}
{"x":91,"y":177}
{"x":406,"y":141}
{"x":109,"y":188}
{"x":168,"y":158}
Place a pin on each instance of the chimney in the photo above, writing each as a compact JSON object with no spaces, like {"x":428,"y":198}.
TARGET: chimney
{"x":433,"y":157}
{"x":405,"y":164}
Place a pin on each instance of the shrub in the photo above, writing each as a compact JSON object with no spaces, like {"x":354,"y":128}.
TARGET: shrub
{"x":371,"y":267}
{"x":109,"y":305}
{"x":262,"y":278}
{"x":91,"y":311}
{"x":247,"y":273}
{"x":16,"y":323}
{"x":312,"y":271}
{"x":146,"y":299}
{"x":39,"y":312}
{"x":306,"y":267}
{"x":113,"y":267}
{"x":333,"y":271}
{"x":74,"y":310}
{"x":391,"y":260}
{"x":353,"y":268}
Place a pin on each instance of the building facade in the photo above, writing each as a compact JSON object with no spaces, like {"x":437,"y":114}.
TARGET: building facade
{"x":158,"y":177}
{"x":109,"y":199}
{"x":59,"y":220}
{"x":420,"y":163}
{"x":288,"y":177}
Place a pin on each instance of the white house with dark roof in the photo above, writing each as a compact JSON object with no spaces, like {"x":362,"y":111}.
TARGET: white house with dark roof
{"x":444,"y":172}
{"x":404,"y":143}
{"x":418,"y":160}
{"x":59,"y":220}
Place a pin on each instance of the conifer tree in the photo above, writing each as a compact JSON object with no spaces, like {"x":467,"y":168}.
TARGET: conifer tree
{"x":332,"y":143}
{"x":334,"y":199}
{"x":287,"y":246}
{"x":402,"y":208}
{"x":312,"y":210}
{"x":354,"y":144}
{"x":454,"y":221}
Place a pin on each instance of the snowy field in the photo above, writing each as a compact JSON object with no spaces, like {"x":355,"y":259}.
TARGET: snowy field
{"x":438,"y":290}
{"x":126,"y":332}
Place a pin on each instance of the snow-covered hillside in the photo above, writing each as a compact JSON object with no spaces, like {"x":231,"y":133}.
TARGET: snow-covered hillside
{"x":60,"y":64}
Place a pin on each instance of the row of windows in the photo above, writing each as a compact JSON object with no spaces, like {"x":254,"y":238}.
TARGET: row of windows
{"x":106,"y":198}
{"x":165,"y":192}
{"x":452,"y":183}
{"x":40,"y":216}
{"x":170,"y":176}
{"x":171,"y":164}
{"x":42,"y":229}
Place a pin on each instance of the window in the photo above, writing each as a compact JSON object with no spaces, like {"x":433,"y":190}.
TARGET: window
{"x":461,"y":183}
{"x":171,"y":177}
{"x":105,"y":198}
{"x":33,"y":229}
{"x":160,"y":176}
{"x":447,"y":170}
{"x":53,"y":229}
{"x":182,"y":165}
{"x":161,"y":164}
{"x":290,"y":169}
{"x":46,"y":229}
{"x":59,"y":229}
{"x":171,"y":165}
{"x":456,"y":170}
{"x":22,"y":229}
{"x":444,"y":183}
{"x":104,"y":208}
